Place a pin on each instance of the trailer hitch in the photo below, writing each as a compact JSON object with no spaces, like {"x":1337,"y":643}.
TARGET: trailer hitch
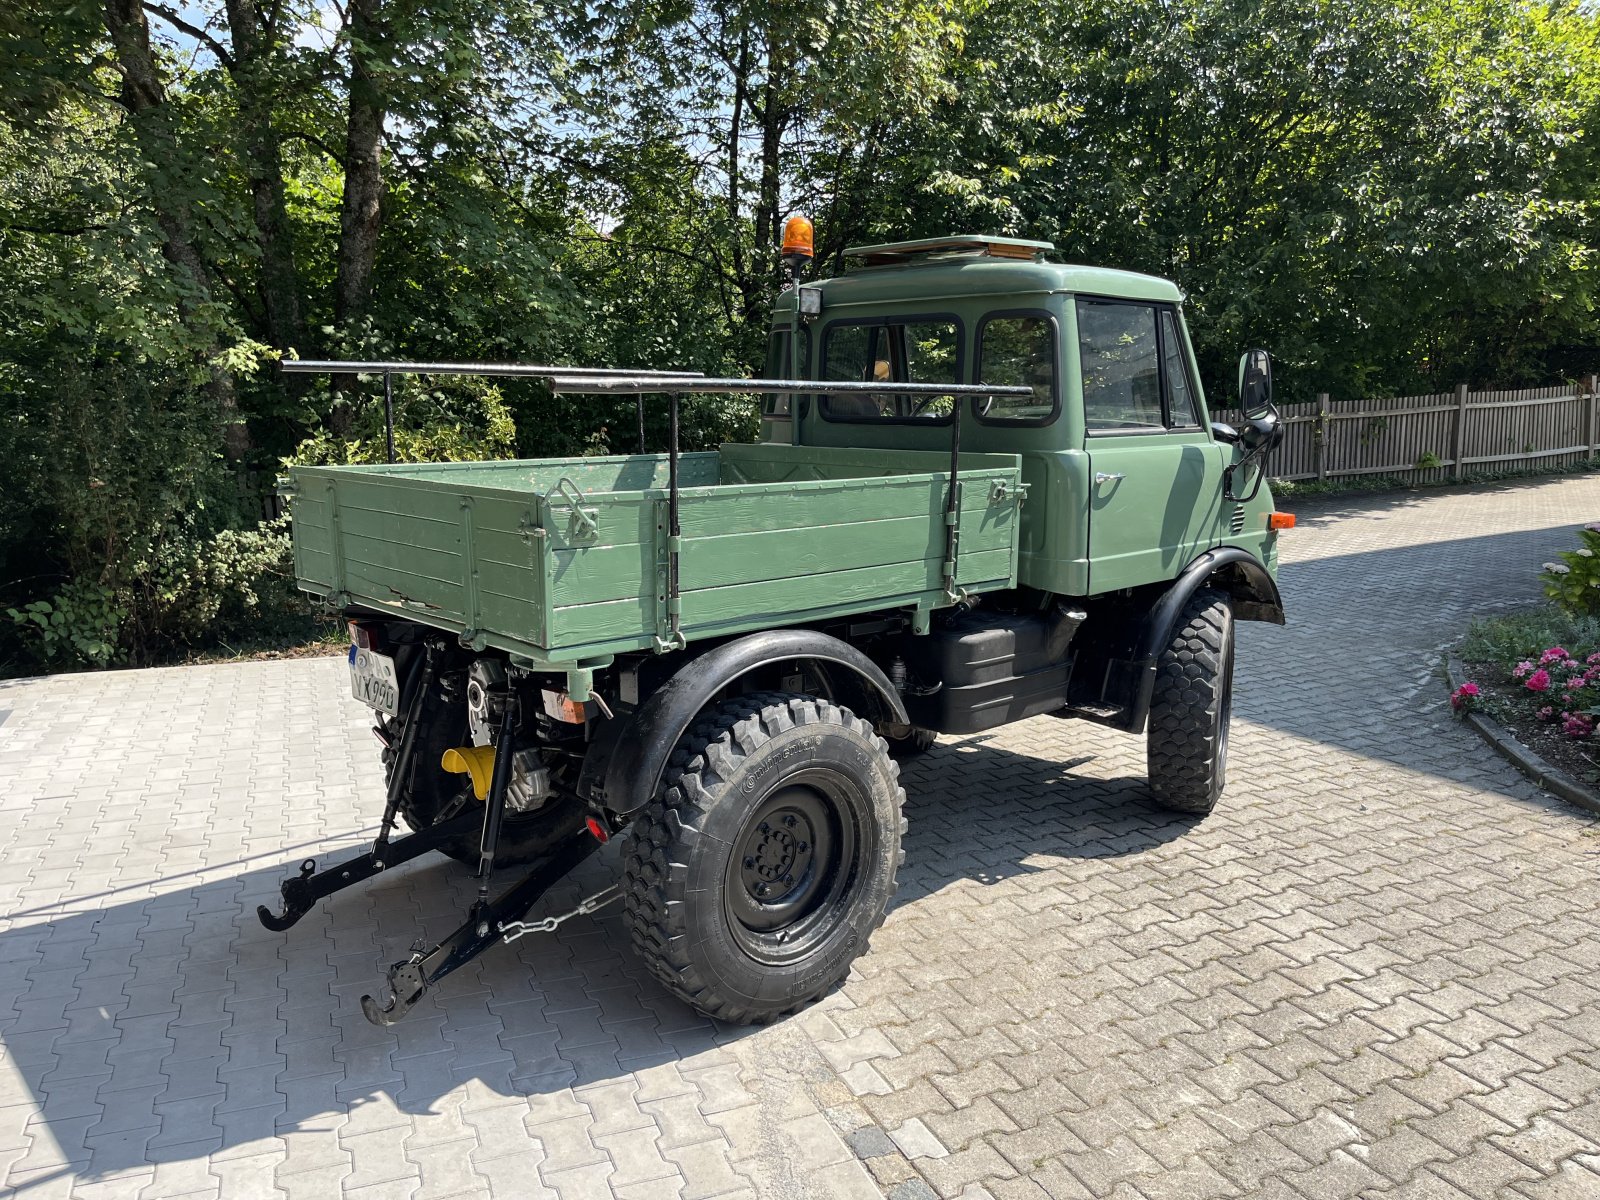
{"x":301,"y":892}
{"x":496,"y":921}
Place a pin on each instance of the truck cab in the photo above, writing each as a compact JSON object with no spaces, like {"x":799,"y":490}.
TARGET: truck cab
{"x":1124,"y":469}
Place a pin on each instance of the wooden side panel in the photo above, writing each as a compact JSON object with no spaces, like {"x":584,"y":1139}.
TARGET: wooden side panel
{"x":757,"y":556}
{"x":466,"y":559}
{"x":566,"y":574}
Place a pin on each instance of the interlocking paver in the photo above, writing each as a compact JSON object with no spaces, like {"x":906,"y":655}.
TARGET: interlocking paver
{"x":1369,"y":973}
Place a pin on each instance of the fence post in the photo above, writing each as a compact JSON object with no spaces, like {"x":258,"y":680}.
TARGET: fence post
{"x":1319,"y":439}
{"x":1589,"y":414}
{"x":1458,"y":451}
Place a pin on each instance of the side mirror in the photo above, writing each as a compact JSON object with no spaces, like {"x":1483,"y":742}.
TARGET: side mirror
{"x":1255,"y":383}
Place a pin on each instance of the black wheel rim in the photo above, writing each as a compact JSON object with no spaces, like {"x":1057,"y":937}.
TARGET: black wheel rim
{"x":795,"y":866}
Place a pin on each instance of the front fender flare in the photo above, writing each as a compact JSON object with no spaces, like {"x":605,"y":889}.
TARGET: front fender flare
{"x":643,"y":744}
{"x":1239,"y":573}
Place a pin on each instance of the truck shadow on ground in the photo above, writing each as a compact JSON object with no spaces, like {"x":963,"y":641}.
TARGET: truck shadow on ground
{"x":176,"y":1028}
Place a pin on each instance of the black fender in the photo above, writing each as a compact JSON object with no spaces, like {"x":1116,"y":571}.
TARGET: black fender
{"x":628,"y":775}
{"x":1231,"y":568}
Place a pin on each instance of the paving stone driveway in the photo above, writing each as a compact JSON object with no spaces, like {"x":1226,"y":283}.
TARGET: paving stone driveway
{"x":1371,"y":972}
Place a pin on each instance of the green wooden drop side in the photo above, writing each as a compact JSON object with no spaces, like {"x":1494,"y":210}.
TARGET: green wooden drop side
{"x":564,"y":561}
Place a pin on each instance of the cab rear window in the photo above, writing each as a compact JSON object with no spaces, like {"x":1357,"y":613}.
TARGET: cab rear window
{"x":1018,"y":350}
{"x":909,"y":350}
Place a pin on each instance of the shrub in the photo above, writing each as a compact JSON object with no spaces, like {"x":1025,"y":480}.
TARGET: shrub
{"x":1573,"y":583}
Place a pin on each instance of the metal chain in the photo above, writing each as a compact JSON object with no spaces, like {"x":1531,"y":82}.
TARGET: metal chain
{"x":510,"y":931}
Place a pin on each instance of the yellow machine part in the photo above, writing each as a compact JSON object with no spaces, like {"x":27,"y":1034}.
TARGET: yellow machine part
{"x":477,"y":762}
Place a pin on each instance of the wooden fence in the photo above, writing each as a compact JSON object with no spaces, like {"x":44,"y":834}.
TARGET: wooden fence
{"x":1425,"y":439}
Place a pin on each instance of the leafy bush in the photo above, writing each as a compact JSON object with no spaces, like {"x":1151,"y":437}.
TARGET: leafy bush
{"x":1573,"y":583}
{"x":77,"y":626}
{"x":129,"y":542}
{"x":454,"y":419}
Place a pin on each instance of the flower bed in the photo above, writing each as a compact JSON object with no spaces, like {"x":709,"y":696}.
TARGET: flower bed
{"x":1538,"y":672}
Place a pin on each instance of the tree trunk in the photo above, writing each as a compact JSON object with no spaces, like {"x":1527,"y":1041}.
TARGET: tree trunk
{"x":143,"y":95}
{"x":361,"y":212}
{"x":254,"y":49}
{"x":741,"y":81}
{"x":772,"y":114}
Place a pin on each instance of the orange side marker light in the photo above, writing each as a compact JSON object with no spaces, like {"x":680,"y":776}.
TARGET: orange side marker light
{"x":1280,"y":520}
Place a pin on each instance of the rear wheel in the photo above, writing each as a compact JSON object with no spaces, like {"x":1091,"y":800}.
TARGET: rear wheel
{"x":432,"y":794}
{"x":755,"y":877}
{"x":1190,"y":711}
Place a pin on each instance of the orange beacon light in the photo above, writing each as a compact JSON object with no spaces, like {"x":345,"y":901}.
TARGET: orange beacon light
{"x":797,"y":238}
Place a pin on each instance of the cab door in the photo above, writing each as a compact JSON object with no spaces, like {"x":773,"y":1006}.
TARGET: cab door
{"x":1155,"y":472}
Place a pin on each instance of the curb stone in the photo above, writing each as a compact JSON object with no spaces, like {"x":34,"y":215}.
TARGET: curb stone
{"x":1551,"y":779}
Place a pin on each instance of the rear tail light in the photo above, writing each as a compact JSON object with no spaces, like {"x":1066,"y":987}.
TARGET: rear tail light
{"x":365,"y":636}
{"x":559,"y":706}
{"x":1279,"y":520}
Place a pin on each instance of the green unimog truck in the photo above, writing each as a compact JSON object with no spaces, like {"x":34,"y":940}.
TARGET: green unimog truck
{"x":987,"y":489}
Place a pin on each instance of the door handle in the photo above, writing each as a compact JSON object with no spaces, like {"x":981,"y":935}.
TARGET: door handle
{"x":1108,"y":476}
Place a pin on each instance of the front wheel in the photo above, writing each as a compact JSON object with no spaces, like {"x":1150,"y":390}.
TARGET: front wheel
{"x":1187,"y":748}
{"x":767,"y":858}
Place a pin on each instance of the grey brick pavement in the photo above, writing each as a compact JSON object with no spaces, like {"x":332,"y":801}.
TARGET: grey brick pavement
{"x":1372,"y":972}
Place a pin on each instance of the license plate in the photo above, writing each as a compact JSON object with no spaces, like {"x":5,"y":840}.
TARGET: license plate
{"x":373,"y":680}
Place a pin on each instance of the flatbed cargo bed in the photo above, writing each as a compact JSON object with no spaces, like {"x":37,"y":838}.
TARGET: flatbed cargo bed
{"x":565,"y":561}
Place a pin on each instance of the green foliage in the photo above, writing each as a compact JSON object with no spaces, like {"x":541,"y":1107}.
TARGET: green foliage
{"x":1391,"y":198}
{"x":458,"y":418}
{"x":1573,"y":582}
{"x":1524,"y":636}
{"x":75,"y":627}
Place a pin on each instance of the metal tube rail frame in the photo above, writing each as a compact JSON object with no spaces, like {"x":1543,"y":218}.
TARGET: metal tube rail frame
{"x":306,"y":366}
{"x":603,"y":381}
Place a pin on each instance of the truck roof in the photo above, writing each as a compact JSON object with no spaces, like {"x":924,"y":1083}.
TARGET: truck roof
{"x":967,"y":265}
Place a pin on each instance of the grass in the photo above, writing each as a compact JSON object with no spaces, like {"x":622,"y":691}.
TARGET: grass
{"x":315,"y":638}
{"x":1516,"y":636}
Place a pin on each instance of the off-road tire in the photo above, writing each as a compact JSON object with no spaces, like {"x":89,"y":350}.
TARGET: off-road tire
{"x":918,"y":742}
{"x":432,"y":790}
{"x":688,"y":862}
{"x":1187,"y":745}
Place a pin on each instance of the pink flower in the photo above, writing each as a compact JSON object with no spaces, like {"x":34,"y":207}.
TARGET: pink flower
{"x":1539,"y":681}
{"x":1574,"y":684}
{"x":1572,"y":664}
{"x":1591,"y":674}
{"x":1546,"y":714}
{"x":1594,"y":659}
{"x":1463,"y":696}
{"x":1522,"y":669}
{"x":1553,"y":655}
{"x":1578,"y":725}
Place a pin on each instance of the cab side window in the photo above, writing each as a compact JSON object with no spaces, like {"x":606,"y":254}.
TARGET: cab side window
{"x":1135,"y":375}
{"x":1182,"y":412}
{"x":1121,"y":367}
{"x":1018,"y":350}
{"x":780,"y":347}
{"x":919,"y":350}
